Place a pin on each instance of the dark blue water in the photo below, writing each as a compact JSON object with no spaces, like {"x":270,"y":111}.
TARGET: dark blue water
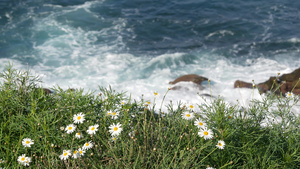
{"x":143,"y":44}
{"x":163,"y":26}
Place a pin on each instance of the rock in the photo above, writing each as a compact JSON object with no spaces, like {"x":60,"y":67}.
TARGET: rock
{"x":196,"y":79}
{"x":190,"y":78}
{"x":286,"y":83}
{"x":262,"y":87}
{"x":291,"y":82}
{"x":47,"y":91}
{"x":242,"y":84}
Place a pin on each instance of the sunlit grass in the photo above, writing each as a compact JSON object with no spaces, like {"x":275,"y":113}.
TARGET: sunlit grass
{"x":73,"y":129}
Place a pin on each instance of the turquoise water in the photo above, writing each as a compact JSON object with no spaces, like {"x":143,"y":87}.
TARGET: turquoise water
{"x":139,"y":46}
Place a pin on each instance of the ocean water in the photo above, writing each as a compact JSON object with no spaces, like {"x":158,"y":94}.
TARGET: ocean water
{"x":139,"y":46}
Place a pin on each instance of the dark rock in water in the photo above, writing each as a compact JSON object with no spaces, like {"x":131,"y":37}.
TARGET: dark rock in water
{"x":291,"y":82}
{"x":262,"y":87}
{"x":286,"y":83}
{"x":196,"y":79}
{"x":242,"y":84}
{"x":47,"y":91}
{"x":190,"y":78}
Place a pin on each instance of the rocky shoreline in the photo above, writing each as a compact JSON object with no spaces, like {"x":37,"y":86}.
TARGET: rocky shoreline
{"x":277,"y":84}
{"x":283,"y":84}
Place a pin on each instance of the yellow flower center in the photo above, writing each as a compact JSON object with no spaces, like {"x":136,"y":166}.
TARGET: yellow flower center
{"x":200,"y":123}
{"x":93,"y":128}
{"x":65,"y":154}
{"x":220,"y":144}
{"x":155,"y":93}
{"x":114,"y":138}
{"x":188,"y":115}
{"x":87,"y":144}
{"x":75,"y":152}
{"x":116,"y":128}
{"x":79,"y":117}
{"x":109,"y":113}
{"x":78,"y":134}
{"x":80,"y":152}
{"x":148,"y":102}
{"x":27,"y":142}
{"x":70,"y":128}
{"x":205,"y":133}
{"x":114,"y":113}
{"x":290,"y":94}
{"x":23,"y":159}
{"x":191,"y":106}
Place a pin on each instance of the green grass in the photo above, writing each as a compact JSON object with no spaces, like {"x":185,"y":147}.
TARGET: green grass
{"x":264,"y":135}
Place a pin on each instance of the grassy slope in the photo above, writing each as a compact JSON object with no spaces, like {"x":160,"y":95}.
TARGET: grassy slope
{"x":148,"y":140}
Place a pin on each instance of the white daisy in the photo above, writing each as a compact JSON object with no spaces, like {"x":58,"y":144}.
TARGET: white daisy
{"x":22,"y":159}
{"x":78,"y":118}
{"x":147,"y":103}
{"x":65,"y":155}
{"x":70,"y":128}
{"x":78,"y":135}
{"x":93,"y":129}
{"x":221,"y":144}
{"x":81,"y":151}
{"x":27,"y":142}
{"x":109,"y":113}
{"x":27,"y":161}
{"x":206,"y":133}
{"x":210,"y":168}
{"x":123,"y":102}
{"x":155,"y":93}
{"x":115,"y":130}
{"x":113,"y":139}
{"x":200,"y":123}
{"x":87,"y":145}
{"x":1,"y":161}
{"x":76,"y":154}
{"x":289,"y":94}
{"x":115,"y":115}
{"x":191,"y":106}
{"x":188,"y":115}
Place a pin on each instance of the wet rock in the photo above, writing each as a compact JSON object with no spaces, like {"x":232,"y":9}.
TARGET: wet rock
{"x":282,"y":84}
{"x":190,"y":78}
{"x":195,"y":79}
{"x":242,"y":84}
{"x":47,"y":91}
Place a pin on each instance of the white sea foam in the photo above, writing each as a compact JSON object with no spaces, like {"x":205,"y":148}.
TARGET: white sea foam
{"x":125,"y":72}
{"x":294,"y":40}
{"x":220,"y":33}
{"x":86,"y":65}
